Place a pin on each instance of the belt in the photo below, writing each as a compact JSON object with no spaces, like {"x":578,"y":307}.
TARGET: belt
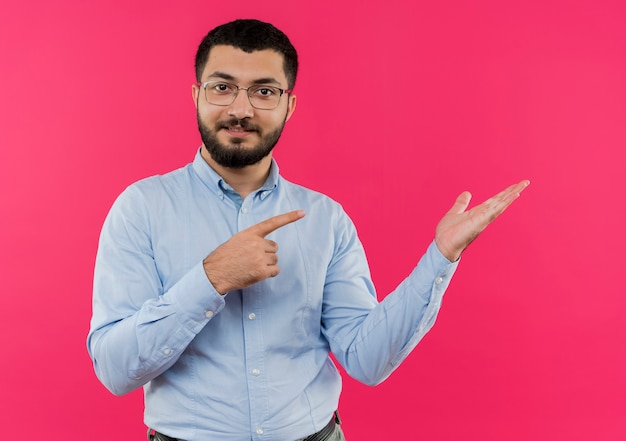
{"x":153,"y":435}
{"x":326,"y":431}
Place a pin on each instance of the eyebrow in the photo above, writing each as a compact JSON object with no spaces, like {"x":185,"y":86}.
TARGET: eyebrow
{"x":228,"y":77}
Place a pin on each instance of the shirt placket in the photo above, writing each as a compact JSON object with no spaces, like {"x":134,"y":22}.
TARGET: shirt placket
{"x":252,"y":319}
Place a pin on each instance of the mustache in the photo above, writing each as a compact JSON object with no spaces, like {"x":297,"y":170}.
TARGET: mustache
{"x":234,"y":122}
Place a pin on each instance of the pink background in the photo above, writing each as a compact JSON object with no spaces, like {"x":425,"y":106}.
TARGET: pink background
{"x":401,"y":106}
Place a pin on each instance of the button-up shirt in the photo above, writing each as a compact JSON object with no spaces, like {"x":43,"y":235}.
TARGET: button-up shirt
{"x":253,"y":364}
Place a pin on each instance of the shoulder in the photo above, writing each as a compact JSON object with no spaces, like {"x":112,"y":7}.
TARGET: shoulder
{"x":323,"y":211}
{"x":151,"y":192}
{"x":310,"y":197}
{"x":171,"y":180}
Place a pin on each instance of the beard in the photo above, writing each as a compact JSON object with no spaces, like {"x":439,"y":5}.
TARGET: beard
{"x":234,"y":155}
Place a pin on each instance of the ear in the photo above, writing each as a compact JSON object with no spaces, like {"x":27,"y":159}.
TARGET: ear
{"x":195,"y":93}
{"x":291,"y":106}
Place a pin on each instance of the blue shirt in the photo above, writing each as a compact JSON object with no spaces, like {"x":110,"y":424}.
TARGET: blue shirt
{"x":253,"y":364}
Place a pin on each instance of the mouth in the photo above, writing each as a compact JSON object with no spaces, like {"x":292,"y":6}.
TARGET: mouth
{"x":238,"y":129}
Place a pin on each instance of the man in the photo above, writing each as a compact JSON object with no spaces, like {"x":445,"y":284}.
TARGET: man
{"x":189,"y":300}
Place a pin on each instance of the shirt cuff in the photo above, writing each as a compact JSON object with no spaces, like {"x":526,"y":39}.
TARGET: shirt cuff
{"x":196,"y":299}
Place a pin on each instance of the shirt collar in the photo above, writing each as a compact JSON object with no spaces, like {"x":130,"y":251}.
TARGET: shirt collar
{"x":215,"y":183}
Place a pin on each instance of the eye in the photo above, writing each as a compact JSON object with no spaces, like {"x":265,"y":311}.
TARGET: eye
{"x":265,"y":92}
{"x":221,"y":87}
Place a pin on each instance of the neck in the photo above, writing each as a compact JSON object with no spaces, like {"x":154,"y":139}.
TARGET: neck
{"x":243,"y":180}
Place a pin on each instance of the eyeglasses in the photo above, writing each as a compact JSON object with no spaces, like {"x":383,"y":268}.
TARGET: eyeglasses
{"x":261,"y":97}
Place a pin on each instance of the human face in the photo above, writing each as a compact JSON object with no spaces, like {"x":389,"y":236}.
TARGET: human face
{"x":239,"y":135}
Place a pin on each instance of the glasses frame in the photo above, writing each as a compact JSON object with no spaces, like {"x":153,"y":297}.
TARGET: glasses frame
{"x":204,"y":85}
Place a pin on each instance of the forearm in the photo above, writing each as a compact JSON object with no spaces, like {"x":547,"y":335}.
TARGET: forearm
{"x":131,"y":347}
{"x":375,"y":344}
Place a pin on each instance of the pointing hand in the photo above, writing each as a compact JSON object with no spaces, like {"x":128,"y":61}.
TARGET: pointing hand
{"x":247,"y":257}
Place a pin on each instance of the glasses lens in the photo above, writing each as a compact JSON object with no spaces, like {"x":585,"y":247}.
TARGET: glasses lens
{"x":219,"y":93}
{"x":264,"y":97}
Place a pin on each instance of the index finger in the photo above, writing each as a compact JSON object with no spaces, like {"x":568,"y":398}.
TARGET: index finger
{"x":509,"y":194}
{"x":495,"y":206}
{"x":274,"y":223}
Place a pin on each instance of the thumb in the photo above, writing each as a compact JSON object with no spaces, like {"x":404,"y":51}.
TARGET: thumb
{"x":461,"y":203}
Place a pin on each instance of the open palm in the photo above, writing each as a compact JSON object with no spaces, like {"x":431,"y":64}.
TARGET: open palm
{"x":458,"y":228}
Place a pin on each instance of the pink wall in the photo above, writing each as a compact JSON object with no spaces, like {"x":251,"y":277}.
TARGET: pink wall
{"x":423,"y":100}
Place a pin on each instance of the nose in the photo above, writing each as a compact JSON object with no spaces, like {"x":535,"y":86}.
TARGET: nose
{"x":241,"y":107}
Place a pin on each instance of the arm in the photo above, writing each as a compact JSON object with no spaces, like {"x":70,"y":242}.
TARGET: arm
{"x":370,"y":341}
{"x":139,"y":327}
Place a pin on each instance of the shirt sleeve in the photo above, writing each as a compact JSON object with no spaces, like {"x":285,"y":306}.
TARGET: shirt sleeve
{"x":368,"y":338}
{"x":138,"y":330}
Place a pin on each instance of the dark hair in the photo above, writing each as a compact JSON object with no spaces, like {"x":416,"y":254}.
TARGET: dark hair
{"x":250,"y":35}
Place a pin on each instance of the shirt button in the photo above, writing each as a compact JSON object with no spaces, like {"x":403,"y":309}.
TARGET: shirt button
{"x":259,"y":430}
{"x":244,"y":210}
{"x":438,"y":280}
{"x":252,"y":316}
{"x":256,"y":372}
{"x":167,"y":351}
{"x":209,"y":314}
